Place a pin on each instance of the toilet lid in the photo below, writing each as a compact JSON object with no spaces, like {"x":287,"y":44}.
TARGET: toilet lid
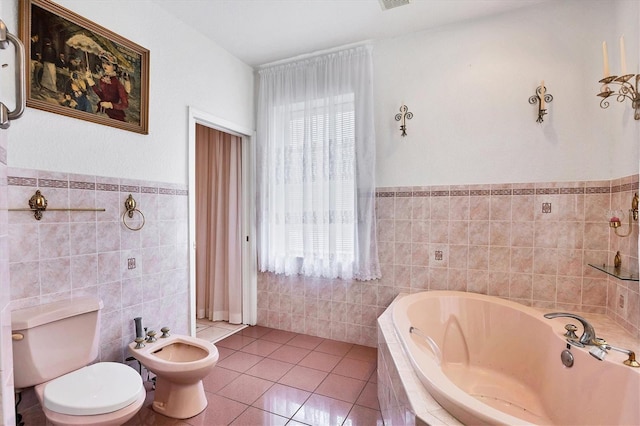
{"x":99,"y":388}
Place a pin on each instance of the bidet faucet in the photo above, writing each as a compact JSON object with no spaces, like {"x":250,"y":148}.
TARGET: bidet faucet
{"x":588,"y":336}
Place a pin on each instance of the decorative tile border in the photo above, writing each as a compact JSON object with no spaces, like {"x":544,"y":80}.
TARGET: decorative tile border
{"x":111,"y":187}
{"x":99,"y":186}
{"x":166,"y":191}
{"x":598,"y":190}
{"x":580,"y":190}
{"x":21,"y":181}
{"x":527,"y":191}
{"x":82,"y":185}
{"x":53,"y":183}
{"x":129,"y":188}
{"x":3,"y":155}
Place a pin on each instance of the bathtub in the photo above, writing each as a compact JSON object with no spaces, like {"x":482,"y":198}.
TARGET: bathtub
{"x":487,"y":360}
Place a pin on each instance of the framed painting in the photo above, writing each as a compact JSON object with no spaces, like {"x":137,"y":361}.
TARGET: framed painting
{"x":82,"y":70}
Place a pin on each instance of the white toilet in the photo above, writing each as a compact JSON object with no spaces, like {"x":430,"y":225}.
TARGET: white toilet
{"x":52,"y":347}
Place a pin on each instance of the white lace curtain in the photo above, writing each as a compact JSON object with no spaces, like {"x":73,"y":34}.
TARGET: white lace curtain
{"x":316,"y":167}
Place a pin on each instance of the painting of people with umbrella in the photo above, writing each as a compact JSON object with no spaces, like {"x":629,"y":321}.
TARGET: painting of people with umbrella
{"x":82,"y":70}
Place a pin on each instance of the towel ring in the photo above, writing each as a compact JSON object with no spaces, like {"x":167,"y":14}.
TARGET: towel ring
{"x":130,"y":209}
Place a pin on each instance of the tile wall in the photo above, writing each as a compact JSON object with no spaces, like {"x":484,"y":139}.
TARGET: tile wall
{"x":6,"y":359}
{"x":530,"y":243}
{"x":74,"y":253}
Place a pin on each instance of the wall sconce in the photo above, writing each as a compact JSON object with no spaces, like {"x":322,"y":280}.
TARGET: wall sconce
{"x":541,"y":97}
{"x":628,"y":88}
{"x":402,"y":116}
{"x":615,"y":217}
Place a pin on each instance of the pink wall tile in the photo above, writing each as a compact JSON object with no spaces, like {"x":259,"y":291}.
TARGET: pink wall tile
{"x":74,"y":253}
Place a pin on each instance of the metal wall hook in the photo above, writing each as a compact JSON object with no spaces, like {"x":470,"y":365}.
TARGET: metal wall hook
{"x":5,"y":114}
{"x":130,"y":209}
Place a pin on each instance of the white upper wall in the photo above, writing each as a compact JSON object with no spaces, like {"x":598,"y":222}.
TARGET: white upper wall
{"x":468,"y":86}
{"x":186,"y":69}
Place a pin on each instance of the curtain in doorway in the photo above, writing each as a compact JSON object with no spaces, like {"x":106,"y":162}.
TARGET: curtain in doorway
{"x":218,"y":226}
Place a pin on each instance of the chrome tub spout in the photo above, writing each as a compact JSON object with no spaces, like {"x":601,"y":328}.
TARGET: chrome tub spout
{"x":588,"y":337}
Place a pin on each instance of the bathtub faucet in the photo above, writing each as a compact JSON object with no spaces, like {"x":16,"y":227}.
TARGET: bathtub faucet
{"x":599,"y":352}
{"x":588,"y":335}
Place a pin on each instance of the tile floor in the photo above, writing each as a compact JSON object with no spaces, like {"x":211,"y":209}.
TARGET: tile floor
{"x":214,"y":331}
{"x":266,"y":376}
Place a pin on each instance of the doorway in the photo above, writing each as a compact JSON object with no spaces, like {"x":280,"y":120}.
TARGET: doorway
{"x":247,"y":217}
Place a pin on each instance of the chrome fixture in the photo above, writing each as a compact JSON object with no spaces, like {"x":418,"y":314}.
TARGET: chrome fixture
{"x":541,"y":97}
{"x":139,"y":342}
{"x":151,"y":336}
{"x":5,"y":114}
{"x":588,"y":334}
{"x":571,"y":331}
{"x":403,"y":116}
{"x":567,"y":358}
{"x":599,"y":352}
{"x":628,"y":83}
{"x":615,"y":217}
{"x":165,"y":332}
{"x":139,"y":332}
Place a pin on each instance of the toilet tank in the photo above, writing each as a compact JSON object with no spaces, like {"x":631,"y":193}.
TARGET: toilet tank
{"x":53,"y":339}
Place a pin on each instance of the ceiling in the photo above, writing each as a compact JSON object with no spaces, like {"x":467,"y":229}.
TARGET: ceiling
{"x":264,"y":31}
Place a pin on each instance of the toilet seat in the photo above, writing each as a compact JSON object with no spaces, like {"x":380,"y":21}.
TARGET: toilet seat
{"x":99,"y":388}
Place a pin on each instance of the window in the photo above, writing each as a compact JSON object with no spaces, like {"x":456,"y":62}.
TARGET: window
{"x":312,"y":140}
{"x":313,"y":162}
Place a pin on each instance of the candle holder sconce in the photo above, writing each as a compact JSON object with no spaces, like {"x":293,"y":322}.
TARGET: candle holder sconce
{"x":615,"y":217}
{"x":541,"y":98}
{"x":402,"y":116}
{"x":627,"y":89}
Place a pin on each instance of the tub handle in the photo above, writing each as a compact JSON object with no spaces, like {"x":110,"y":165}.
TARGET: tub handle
{"x":571,"y":331}
{"x":432,"y":344}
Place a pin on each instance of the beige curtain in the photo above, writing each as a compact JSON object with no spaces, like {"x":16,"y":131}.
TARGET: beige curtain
{"x":218,"y":227}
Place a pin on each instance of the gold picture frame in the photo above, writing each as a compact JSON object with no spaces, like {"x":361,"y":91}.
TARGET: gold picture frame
{"x":79,"y":69}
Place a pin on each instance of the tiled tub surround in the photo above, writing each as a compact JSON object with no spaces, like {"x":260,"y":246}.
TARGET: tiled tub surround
{"x":490,"y":239}
{"x":405,"y":401}
{"x":73,"y":253}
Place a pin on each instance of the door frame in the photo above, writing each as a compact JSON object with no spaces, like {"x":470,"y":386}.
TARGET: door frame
{"x":249,"y":259}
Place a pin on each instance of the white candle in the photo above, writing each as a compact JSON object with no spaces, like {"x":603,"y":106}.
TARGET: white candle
{"x":623,"y":57}
{"x":542,"y":90}
{"x":605,"y":58}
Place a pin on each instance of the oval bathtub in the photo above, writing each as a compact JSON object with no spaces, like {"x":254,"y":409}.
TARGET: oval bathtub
{"x":487,"y":360}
